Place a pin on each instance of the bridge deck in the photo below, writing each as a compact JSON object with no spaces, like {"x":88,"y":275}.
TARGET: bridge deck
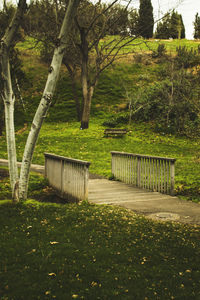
{"x":153,"y":204}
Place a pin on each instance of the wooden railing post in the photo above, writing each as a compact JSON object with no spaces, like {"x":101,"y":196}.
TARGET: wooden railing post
{"x":86,"y":178}
{"x":172,"y":175}
{"x":138,"y":171}
{"x":61,"y":175}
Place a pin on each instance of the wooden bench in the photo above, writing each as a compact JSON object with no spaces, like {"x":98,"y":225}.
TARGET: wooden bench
{"x":115,"y":132}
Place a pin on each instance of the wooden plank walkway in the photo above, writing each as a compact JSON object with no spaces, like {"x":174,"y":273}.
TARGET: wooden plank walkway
{"x":153,"y":204}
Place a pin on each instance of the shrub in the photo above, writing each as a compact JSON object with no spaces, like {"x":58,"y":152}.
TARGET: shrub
{"x":187,"y":58}
{"x":160,"y":52}
{"x":172,"y":104}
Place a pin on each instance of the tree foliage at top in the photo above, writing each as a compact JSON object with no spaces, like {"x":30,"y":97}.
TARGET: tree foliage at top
{"x":197,"y":27}
{"x":171,"y":26}
{"x":118,"y":21}
{"x":133,"y":22}
{"x":146,"y":20}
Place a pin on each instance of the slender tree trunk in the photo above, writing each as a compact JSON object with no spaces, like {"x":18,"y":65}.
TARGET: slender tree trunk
{"x":87,"y":100}
{"x":87,"y":88}
{"x":9,"y":100}
{"x":46,"y":98}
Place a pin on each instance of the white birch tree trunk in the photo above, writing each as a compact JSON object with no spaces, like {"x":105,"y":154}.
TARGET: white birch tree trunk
{"x":8,"y":95}
{"x":9,"y":100}
{"x":46,"y":100}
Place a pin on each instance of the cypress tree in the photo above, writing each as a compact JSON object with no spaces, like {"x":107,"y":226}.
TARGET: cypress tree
{"x":177,"y":29}
{"x":197,"y":27}
{"x":146,"y":20}
{"x":182,"y":28}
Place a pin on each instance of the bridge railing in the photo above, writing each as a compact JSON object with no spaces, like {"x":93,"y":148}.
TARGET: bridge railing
{"x":148,"y":172}
{"x":68,"y":176}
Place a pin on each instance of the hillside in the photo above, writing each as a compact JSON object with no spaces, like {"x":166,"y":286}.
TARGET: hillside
{"x":137,"y":79}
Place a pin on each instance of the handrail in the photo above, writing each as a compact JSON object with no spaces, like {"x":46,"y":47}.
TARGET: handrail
{"x":68,"y":176}
{"x":144,"y":171}
{"x":143,"y":156}
{"x":59,"y":157}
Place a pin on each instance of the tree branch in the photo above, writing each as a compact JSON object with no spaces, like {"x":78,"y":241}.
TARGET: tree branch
{"x":11,"y":31}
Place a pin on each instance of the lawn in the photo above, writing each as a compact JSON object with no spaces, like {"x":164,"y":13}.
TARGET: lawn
{"x":54,"y":251}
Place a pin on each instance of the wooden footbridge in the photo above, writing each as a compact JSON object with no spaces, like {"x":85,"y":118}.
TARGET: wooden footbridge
{"x":144,"y":184}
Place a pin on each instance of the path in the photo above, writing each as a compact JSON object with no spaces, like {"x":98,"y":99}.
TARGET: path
{"x":34,"y":168}
{"x":152,"y":204}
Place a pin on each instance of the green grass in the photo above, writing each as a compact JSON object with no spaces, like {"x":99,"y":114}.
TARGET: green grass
{"x":137,"y":45}
{"x":141,"y":45}
{"x":51,"y":251}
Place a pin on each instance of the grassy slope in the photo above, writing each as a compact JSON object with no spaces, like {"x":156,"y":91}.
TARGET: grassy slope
{"x":65,"y":138}
{"x":140,"y":45}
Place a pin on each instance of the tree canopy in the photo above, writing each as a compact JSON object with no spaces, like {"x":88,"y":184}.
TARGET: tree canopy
{"x":171,"y":26}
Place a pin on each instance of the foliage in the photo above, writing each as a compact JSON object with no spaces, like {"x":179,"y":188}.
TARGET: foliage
{"x":187,"y":58}
{"x":94,"y":252}
{"x":173,"y":103}
{"x":171,"y":26}
{"x":163,"y":28}
{"x":118,"y":21}
{"x":146,"y":20}
{"x":133,"y":22}
{"x":177,"y":29}
{"x":160,"y":51}
{"x":197,"y":27}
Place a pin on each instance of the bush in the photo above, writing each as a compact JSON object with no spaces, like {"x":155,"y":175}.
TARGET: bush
{"x":173,"y":104}
{"x":112,"y":123}
{"x":187,"y":58}
{"x":160,"y":52}
{"x":120,"y":118}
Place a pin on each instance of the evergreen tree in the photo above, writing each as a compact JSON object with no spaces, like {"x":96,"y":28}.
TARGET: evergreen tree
{"x":182,"y":28}
{"x":177,"y":29}
{"x":172,"y":26}
{"x":163,"y":28}
{"x":197,"y":27}
{"x":146,"y":20}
